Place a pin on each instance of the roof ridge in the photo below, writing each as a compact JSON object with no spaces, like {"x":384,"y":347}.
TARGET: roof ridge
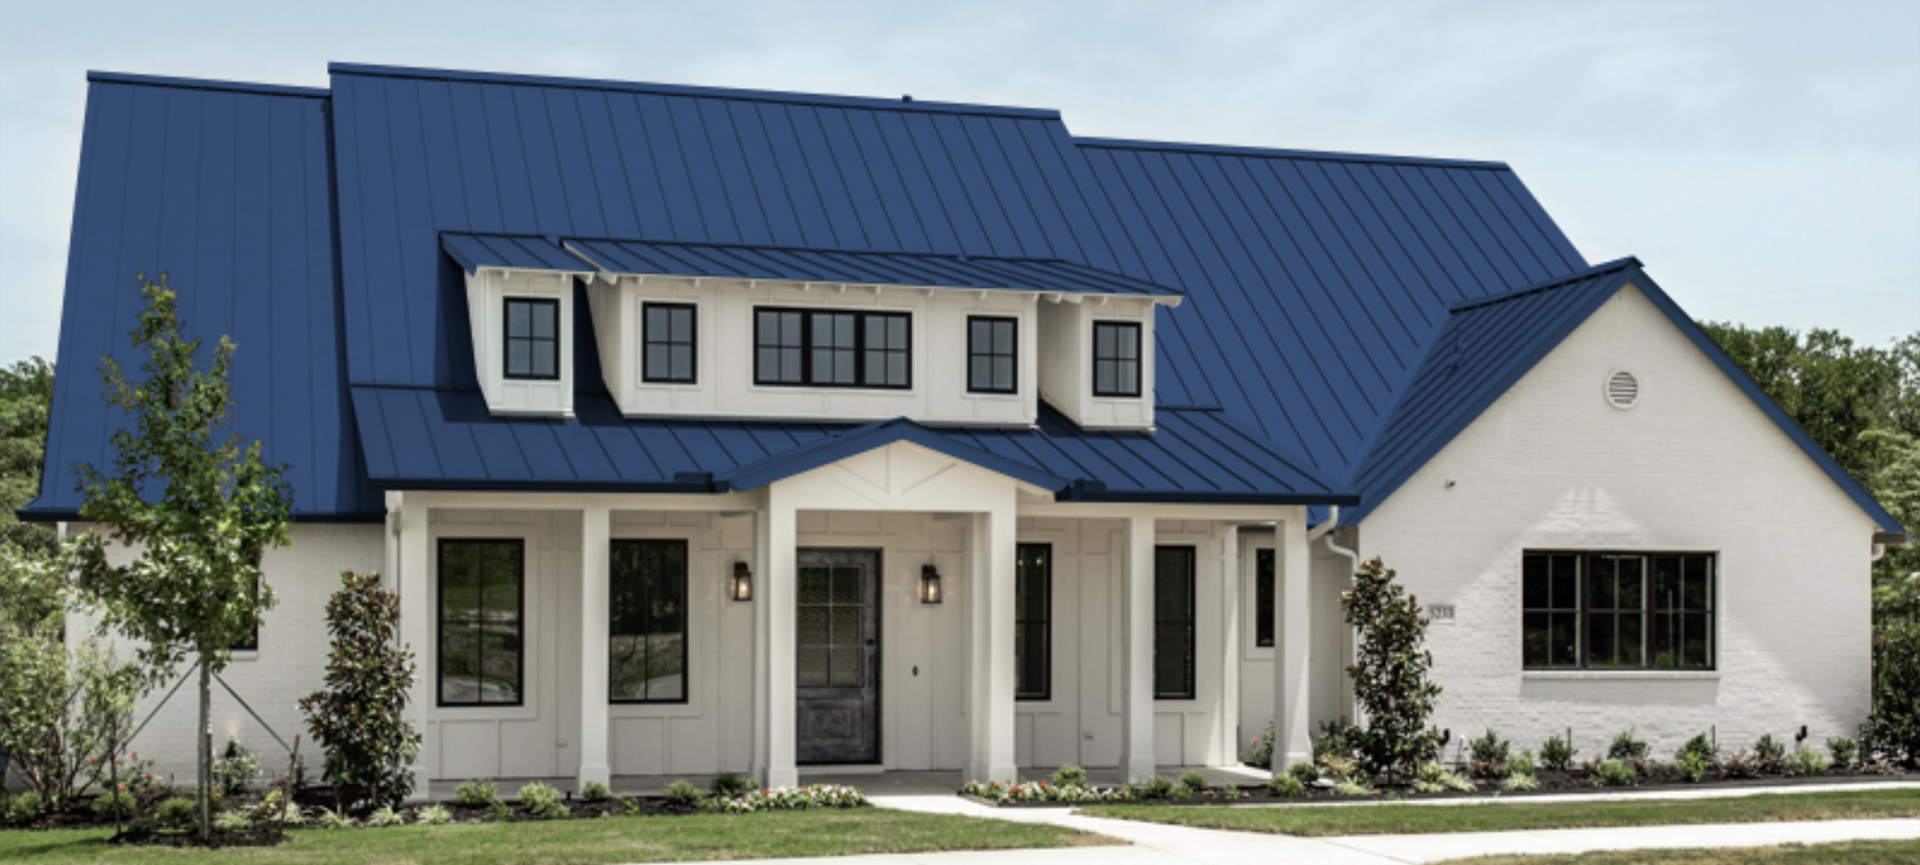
{"x":905,"y":103}
{"x":1600,"y":269}
{"x":208,"y":84}
{"x":1279,"y":153}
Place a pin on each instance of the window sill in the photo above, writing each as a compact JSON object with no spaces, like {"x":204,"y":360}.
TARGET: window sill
{"x":244,"y":655}
{"x":1619,"y":675}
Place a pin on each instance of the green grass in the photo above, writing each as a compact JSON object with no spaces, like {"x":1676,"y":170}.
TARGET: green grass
{"x":1849,"y":853}
{"x":1506,"y":816}
{"x":581,"y":842}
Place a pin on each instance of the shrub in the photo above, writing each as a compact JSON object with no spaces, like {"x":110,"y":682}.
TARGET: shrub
{"x":1262,"y":753}
{"x":1612,"y":773}
{"x":681,"y":794}
{"x":1769,"y":756}
{"x":236,"y":769}
{"x":594,"y":791}
{"x":1488,"y":756}
{"x":730,"y":785}
{"x":1517,"y":782}
{"x":433,"y":815}
{"x":1626,"y":746}
{"x":1339,"y":768}
{"x":360,"y":718}
{"x":1390,"y":672}
{"x":232,"y":820}
{"x":1699,"y":746}
{"x":113,"y":804}
{"x":1843,"y":750}
{"x":1557,"y":754}
{"x":542,"y":802}
{"x":1286,"y":785}
{"x":26,"y":808}
{"x":1520,"y":764}
{"x":1738,"y":765}
{"x":631,"y":807}
{"x":1431,"y":777}
{"x":1195,"y":781}
{"x":1157,"y":787}
{"x":1336,"y":737}
{"x":175,"y":813}
{"x":1070,"y":776}
{"x":1691,"y":766}
{"x":1893,"y":726}
{"x":386,"y":817}
{"x":1305,"y":772}
{"x":1352,"y":788}
{"x":499,"y":811}
{"x":476,"y":792}
{"x":331,"y":819}
{"x":1805,"y":762}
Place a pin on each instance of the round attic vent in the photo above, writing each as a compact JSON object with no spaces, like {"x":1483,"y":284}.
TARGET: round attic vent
{"x":1623,"y":390}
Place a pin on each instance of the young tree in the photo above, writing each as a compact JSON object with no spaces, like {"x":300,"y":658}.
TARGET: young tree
{"x":361,"y":716}
{"x":1389,"y":672}
{"x":197,"y":506}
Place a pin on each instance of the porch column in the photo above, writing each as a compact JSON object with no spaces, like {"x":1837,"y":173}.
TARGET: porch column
{"x":1227,"y":752}
{"x":595,"y":536}
{"x":774,"y":538}
{"x":1293,"y":739}
{"x":990,"y":610}
{"x":1136,"y":653}
{"x":409,"y":520}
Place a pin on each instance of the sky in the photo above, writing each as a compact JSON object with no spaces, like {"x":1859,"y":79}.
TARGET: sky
{"x":1762,"y":158}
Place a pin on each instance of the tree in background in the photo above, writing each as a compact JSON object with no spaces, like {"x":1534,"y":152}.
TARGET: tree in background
{"x":198,"y":507}
{"x":1391,"y":673}
{"x":26,"y":401}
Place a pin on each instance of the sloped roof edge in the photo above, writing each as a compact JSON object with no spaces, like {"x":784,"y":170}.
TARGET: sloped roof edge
{"x":863,"y":439}
{"x":208,"y":84}
{"x":1279,"y":153}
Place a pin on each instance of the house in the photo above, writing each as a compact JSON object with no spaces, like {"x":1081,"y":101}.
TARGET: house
{"x":710,"y":430}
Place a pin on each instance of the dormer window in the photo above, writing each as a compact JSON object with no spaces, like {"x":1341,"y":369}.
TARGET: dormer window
{"x":1116,"y":359}
{"x":533,"y":339}
{"x":992,"y":349}
{"x":832,"y":348}
{"x":667,"y":343}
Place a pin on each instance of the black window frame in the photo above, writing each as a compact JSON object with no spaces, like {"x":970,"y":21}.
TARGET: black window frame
{"x":507,"y":339}
{"x":440,"y":625}
{"x":1648,"y":611}
{"x":686,"y":647}
{"x":1265,"y":598}
{"x":1012,"y":356}
{"x":692,"y":344}
{"x":860,"y":348}
{"x":1024,"y":626}
{"x":1190,"y":624}
{"x":1139,"y":359}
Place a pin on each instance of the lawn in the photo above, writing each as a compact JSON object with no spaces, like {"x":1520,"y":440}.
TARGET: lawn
{"x":1506,"y":816}
{"x":1849,"y":853}
{"x":582,"y":842}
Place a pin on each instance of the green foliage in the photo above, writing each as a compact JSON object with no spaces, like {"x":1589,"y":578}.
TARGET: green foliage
{"x":729,"y":785}
{"x":1769,"y":753}
{"x":543,"y":802}
{"x":1699,"y":746}
{"x":1893,"y":729}
{"x":331,"y":819}
{"x":1518,"y":782}
{"x":236,"y":769}
{"x":433,"y":815}
{"x":1338,"y":768}
{"x":1626,"y":746}
{"x":113,"y":804}
{"x":1520,"y":764}
{"x":1157,"y":787}
{"x":499,"y":810}
{"x":386,"y":817}
{"x":1262,"y":752}
{"x":1070,"y":776}
{"x":1350,"y":787}
{"x":631,"y":807}
{"x":1691,"y":766}
{"x":175,"y":813}
{"x":1843,"y":750}
{"x":1612,"y":772}
{"x":1194,"y":781}
{"x":1305,"y":772}
{"x":26,"y":401}
{"x":360,"y":718}
{"x":1287,"y":785}
{"x":476,"y":792}
{"x":1335,"y":737}
{"x":1557,"y":754}
{"x":681,"y":794}
{"x":594,"y":791}
{"x":1390,"y":672}
{"x":1806,"y":762}
{"x":1488,"y":755}
{"x":1431,"y":777}
{"x":25,"y":808}
{"x":232,"y":820}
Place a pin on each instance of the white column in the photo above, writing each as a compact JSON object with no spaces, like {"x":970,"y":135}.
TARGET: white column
{"x":416,"y":613}
{"x":1136,"y":652}
{"x":1228,"y":751}
{"x":774,"y":596}
{"x":990,"y":610}
{"x":595,"y":536}
{"x":1293,"y":739}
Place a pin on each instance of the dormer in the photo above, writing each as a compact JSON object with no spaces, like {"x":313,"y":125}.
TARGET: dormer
{"x":520,"y":310}
{"x":1096,"y":361}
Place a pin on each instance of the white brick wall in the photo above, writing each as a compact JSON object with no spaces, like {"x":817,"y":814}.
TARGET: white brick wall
{"x":1695,"y":466}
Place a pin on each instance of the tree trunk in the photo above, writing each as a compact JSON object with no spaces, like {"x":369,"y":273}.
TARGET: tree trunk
{"x":206,"y":750}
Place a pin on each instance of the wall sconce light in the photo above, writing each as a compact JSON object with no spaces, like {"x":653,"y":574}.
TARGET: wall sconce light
{"x":742,"y":588}
{"x":929,"y":585}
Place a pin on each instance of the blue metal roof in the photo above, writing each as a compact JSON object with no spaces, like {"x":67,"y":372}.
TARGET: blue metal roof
{"x":226,"y":188}
{"x":475,"y":251}
{"x":1488,"y":345}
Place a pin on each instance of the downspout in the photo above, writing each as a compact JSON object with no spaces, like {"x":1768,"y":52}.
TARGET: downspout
{"x":1325,"y":530}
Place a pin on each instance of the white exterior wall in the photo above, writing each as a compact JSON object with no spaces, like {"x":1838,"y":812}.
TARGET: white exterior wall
{"x":1066,"y":362}
{"x":486,"y":315}
{"x":1332,"y":697}
{"x":1695,"y":466}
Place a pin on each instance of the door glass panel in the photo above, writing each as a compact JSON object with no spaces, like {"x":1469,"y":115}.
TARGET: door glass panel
{"x":812,"y":667}
{"x":846,"y":585}
{"x":814,"y":585}
{"x":848,"y":665}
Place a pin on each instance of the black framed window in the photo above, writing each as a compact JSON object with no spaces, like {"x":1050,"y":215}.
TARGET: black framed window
{"x":533,"y":338}
{"x":1614,"y":610}
{"x":647,"y":629}
{"x":1173,"y":623}
{"x":832,"y":348}
{"x":482,"y":621}
{"x":1263,"y":598}
{"x":992,"y":353}
{"x":1116,"y":358}
{"x":667,"y":342}
{"x":1033,"y":622}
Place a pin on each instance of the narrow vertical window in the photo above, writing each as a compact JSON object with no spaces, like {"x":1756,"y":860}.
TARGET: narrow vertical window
{"x":1033,"y":622}
{"x":533,"y":338}
{"x":780,"y":347}
{"x":1263,"y":598}
{"x":834,"y":349}
{"x":647,"y":622}
{"x":667,"y":342}
{"x":991,"y":366}
{"x":482,"y":621}
{"x":1116,"y":358}
{"x":1173,"y":623}
{"x":885,"y":363}
{"x":1616,"y":611}
{"x":1682,"y":612}
{"x":1550,"y":611}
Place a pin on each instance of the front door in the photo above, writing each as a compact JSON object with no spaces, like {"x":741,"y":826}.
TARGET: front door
{"x":837,"y":659}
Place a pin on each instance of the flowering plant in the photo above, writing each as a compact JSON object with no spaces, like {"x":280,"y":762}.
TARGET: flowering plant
{"x":793,"y":799}
{"x":1042,"y":791}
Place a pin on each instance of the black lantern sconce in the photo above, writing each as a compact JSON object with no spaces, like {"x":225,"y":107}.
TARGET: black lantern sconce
{"x":929,"y":585}
{"x":742,"y":588}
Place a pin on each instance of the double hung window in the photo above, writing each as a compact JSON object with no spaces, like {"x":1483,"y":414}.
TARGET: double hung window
{"x":533,"y":338}
{"x":667,"y":343}
{"x":1116,"y":359}
{"x":991,"y":354}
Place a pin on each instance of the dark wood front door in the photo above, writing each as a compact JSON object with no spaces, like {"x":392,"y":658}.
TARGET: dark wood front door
{"x":837,"y":659}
